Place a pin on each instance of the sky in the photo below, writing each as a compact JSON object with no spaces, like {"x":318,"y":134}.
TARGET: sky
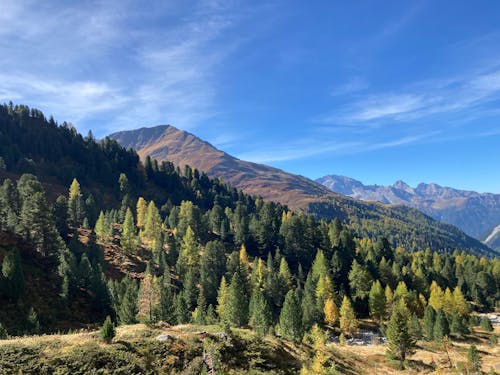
{"x":378,"y":91}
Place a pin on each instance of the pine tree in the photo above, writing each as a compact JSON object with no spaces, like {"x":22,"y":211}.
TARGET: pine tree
{"x":415,"y":328}
{"x":389,"y":297}
{"x":448,"y":302}
{"x":212,"y":267}
{"x":457,"y":325}
{"x":429,"y":321}
{"x":260,"y":312}
{"x":399,"y":339}
{"x":237,"y":303}
{"x":128,"y":239}
{"x":102,"y":229}
{"x":13,"y":273}
{"x":108,"y":330}
{"x":180,"y":309}
{"x":3,"y":332}
{"x":76,"y":208}
{"x":285,"y":273}
{"x":377,"y":302}
{"x":32,"y":322}
{"x":310,"y":313}
{"x":441,"y":326}
{"x":348,"y":322}
{"x":127,"y":309}
{"x":331,"y":312}
{"x":473,"y":359}
{"x":190,"y":290}
{"x":324,"y":291}
{"x":360,"y":281}
{"x":485,"y":324}
{"x":290,"y":321}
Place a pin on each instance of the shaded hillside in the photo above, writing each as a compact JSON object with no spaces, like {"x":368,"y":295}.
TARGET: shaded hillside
{"x":476,"y":214}
{"x":406,"y":227}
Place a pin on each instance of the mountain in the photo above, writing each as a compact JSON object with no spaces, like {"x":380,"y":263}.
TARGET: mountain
{"x":476,"y":214}
{"x":404,"y":226}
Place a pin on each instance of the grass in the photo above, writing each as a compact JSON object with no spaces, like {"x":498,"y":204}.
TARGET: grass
{"x":135,"y":350}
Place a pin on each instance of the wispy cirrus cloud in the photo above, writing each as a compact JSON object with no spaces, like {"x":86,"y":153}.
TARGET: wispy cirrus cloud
{"x":420,"y":99}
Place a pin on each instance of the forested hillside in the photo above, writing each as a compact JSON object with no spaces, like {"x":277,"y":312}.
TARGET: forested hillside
{"x":88,"y":230}
{"x":401,"y":226}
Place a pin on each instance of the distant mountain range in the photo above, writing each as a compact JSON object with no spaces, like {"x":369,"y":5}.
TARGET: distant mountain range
{"x":476,"y":214}
{"x":404,"y":226}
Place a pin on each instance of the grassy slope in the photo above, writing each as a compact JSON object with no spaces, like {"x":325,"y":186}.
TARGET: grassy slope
{"x":136,"y":350}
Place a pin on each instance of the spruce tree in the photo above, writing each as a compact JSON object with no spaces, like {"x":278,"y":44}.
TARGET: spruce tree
{"x":127,"y":308}
{"x":429,"y":321}
{"x":399,"y":339}
{"x":108,"y":330}
{"x":237,"y":304}
{"x":441,"y":326}
{"x":260,"y":312}
{"x":13,"y":273}
{"x":290,"y":321}
{"x":473,"y":359}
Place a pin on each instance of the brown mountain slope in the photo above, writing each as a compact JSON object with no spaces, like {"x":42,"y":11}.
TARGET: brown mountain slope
{"x":403,"y":226}
{"x":181,"y":148}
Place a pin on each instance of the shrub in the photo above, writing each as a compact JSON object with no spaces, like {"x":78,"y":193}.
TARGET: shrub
{"x":486,"y":324}
{"x":108,"y":330}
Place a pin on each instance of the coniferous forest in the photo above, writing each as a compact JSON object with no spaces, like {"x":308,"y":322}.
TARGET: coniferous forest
{"x":88,"y":231}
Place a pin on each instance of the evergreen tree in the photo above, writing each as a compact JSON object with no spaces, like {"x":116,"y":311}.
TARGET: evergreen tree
{"x":13,"y":273}
{"x":166,"y":307}
{"x":414,"y":327}
{"x":310,"y":313}
{"x":108,"y":330}
{"x":473,"y":359}
{"x":429,"y":321}
{"x":485,"y":324}
{"x":290,"y":321}
{"x":237,"y":303}
{"x":399,"y":339}
{"x":3,"y":332}
{"x":128,"y":309}
{"x":128,"y":239}
{"x":181,"y":311}
{"x":190,"y":290}
{"x":102,"y":228}
{"x":360,"y":281}
{"x":377,"y":302}
{"x":76,"y":208}
{"x":348,"y":322}
{"x":60,"y":213}
{"x":457,"y":325}
{"x":212,"y":267}
{"x":441,"y":326}
{"x":32,"y":323}
{"x":260,"y":312}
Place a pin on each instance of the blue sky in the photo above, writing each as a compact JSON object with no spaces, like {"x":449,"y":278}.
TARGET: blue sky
{"x":378,"y":91}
